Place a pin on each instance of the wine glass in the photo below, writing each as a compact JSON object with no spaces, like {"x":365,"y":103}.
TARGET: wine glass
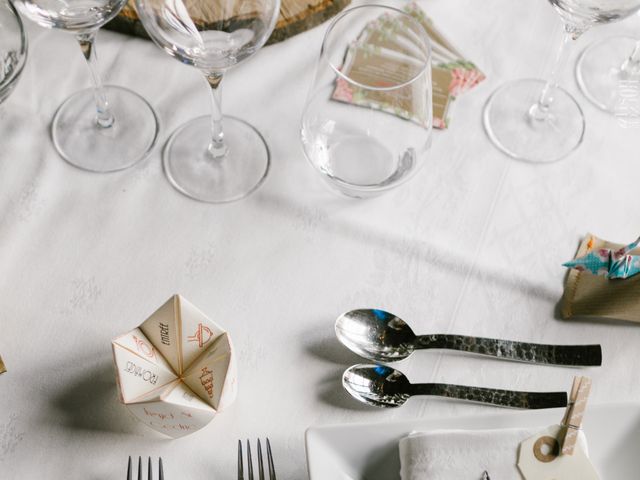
{"x":13,"y":48}
{"x":539,"y":121}
{"x":605,"y":67}
{"x":202,"y":159}
{"x":104,"y":128}
{"x":368,"y":119}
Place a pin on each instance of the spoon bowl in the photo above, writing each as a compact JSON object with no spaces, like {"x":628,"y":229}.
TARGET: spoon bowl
{"x":376,"y":385}
{"x":375,"y":334}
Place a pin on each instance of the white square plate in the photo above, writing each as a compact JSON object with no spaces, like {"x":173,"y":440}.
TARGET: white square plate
{"x":370,"y":451}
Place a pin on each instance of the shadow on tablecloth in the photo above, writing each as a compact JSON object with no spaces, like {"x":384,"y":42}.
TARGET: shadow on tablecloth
{"x":90,"y":402}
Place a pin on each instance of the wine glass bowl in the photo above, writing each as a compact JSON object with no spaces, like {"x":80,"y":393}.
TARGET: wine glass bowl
{"x":198,"y":36}
{"x":13,"y":48}
{"x":216,"y":158}
{"x":71,"y":16}
{"x":591,"y":12}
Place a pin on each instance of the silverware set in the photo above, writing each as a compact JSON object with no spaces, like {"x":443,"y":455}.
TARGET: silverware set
{"x":383,"y":337}
{"x":270,"y":467}
{"x":149,"y":470}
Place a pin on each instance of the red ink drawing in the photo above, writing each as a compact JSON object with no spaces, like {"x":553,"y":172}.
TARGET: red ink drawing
{"x":202,"y":335}
{"x":161,"y":416}
{"x":144,"y":348}
{"x":207,"y":381}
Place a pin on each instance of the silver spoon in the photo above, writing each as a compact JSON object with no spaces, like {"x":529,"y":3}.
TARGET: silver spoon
{"x":386,"y":387}
{"x":382,"y":337}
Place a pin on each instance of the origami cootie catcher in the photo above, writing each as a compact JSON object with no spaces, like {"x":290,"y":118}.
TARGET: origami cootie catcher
{"x":176,"y":370}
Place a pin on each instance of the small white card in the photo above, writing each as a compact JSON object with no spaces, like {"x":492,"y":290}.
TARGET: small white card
{"x":539,"y":458}
{"x":177,"y":370}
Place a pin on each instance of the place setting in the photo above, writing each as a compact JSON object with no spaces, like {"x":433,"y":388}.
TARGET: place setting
{"x":426,"y":394}
{"x":510,"y":445}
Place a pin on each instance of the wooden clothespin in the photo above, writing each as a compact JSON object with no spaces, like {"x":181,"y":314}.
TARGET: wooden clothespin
{"x":572,"y":420}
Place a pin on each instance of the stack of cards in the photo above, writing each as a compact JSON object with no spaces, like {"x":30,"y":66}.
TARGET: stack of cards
{"x":388,"y":51}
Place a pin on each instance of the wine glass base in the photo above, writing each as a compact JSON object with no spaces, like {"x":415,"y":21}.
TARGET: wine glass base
{"x":517,"y":133}
{"x":598,"y":70}
{"x":84,"y":144}
{"x":192,"y":171}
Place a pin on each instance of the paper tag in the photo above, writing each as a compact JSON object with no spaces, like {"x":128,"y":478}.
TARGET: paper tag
{"x":539,"y":459}
{"x":2,"y":367}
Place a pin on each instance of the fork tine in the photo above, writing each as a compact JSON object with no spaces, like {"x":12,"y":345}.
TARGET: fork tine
{"x":139,"y":468}
{"x":240,"y":469}
{"x":149,"y":471}
{"x":272,"y":468}
{"x":260,"y":464}
{"x":160,"y":470}
{"x":249,"y":461}
{"x":129,"y":469}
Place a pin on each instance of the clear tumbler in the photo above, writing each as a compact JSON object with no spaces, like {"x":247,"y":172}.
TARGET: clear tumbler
{"x":367,"y":122}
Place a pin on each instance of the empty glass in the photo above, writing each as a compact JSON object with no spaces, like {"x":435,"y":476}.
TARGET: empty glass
{"x":104,"y":128}
{"x":213,"y":158}
{"x":13,"y":48}
{"x":606,"y":68}
{"x":367,"y":122}
{"x":538,"y":121}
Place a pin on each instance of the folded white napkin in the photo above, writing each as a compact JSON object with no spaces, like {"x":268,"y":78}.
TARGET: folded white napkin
{"x":462,"y":454}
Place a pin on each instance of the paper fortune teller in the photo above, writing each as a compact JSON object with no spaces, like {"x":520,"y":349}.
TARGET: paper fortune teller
{"x":176,"y":370}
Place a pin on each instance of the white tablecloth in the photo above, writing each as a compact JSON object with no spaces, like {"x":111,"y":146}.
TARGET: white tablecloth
{"x":472,"y":245}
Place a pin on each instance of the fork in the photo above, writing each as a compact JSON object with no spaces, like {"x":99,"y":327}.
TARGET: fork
{"x":272,"y":470}
{"x":149,"y":469}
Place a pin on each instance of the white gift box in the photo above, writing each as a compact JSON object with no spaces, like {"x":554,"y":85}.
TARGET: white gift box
{"x":176,"y":370}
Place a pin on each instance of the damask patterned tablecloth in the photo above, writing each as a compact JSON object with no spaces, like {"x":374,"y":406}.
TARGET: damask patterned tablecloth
{"x":473,"y":245}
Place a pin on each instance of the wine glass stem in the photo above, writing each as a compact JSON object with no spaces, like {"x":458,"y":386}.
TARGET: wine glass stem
{"x":631,"y":65}
{"x":217,"y":148}
{"x":104,"y":117}
{"x":541,"y":110}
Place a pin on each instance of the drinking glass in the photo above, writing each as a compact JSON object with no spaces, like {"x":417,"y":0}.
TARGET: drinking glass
{"x":367,"y":121}
{"x":104,"y":128}
{"x":202,"y":159}
{"x":539,"y":121}
{"x":13,"y":48}
{"x":604,"y":69}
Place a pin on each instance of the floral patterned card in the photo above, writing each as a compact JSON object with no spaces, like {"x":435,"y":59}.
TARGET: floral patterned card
{"x":380,"y":68}
{"x":465,"y":74}
{"x":381,"y":56}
